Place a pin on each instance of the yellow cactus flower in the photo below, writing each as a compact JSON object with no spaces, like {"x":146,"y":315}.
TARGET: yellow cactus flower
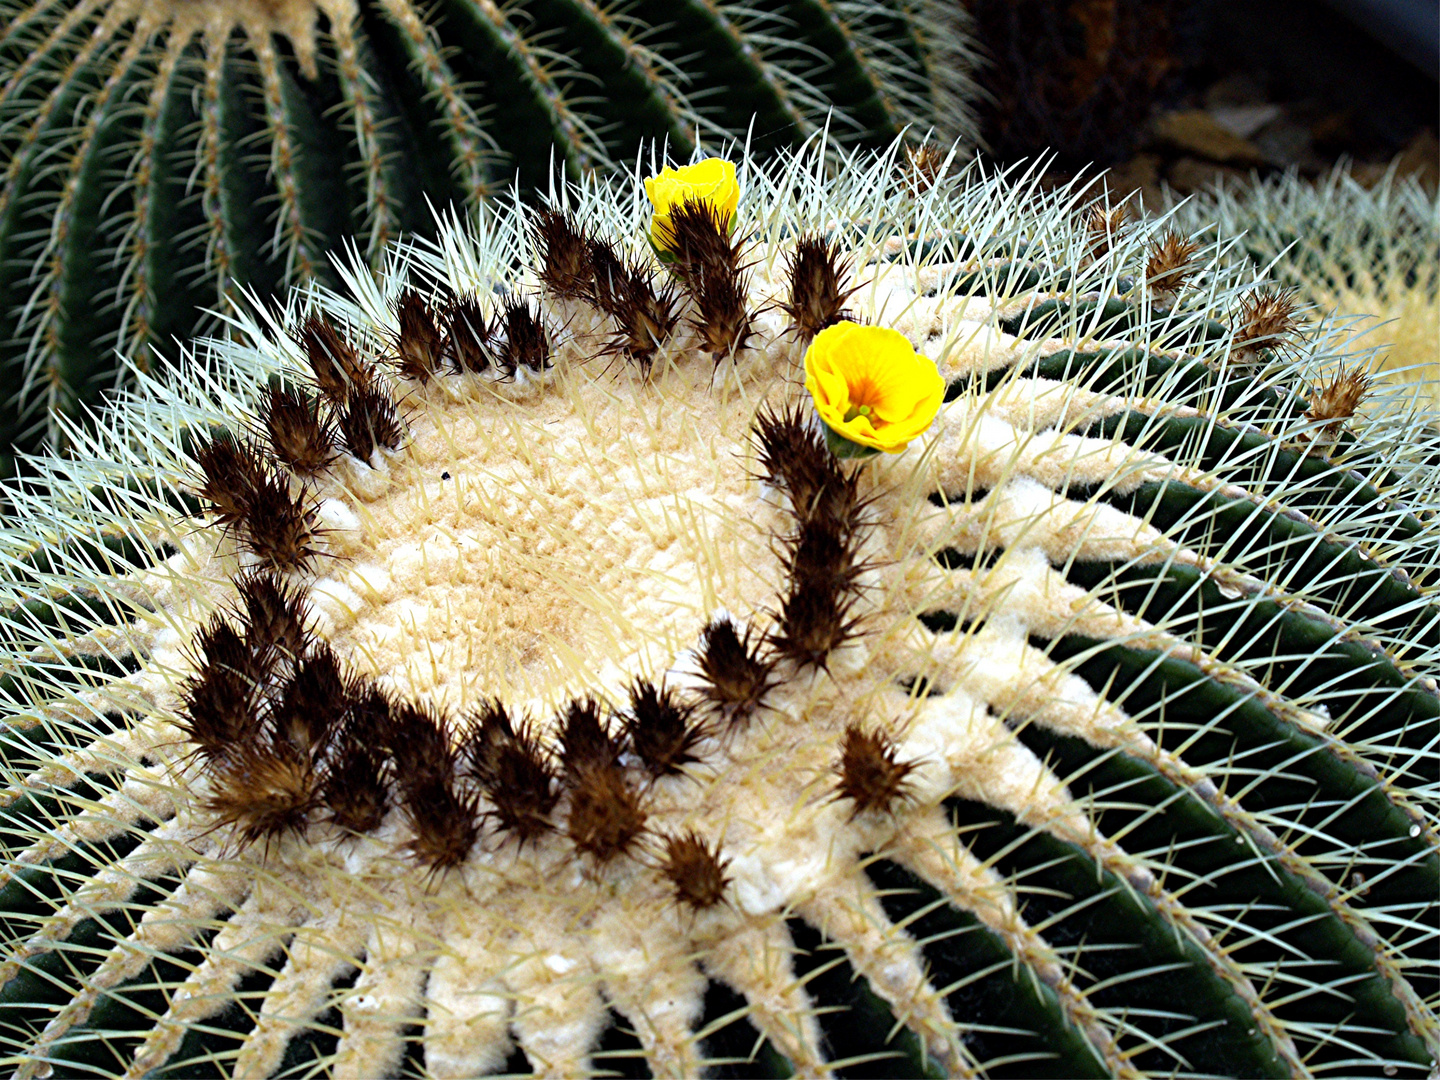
{"x":870,"y":386}
{"x":710,"y":181}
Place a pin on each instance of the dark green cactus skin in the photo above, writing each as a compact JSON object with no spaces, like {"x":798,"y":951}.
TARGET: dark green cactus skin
{"x":155,"y":165}
{"x":1314,"y":842}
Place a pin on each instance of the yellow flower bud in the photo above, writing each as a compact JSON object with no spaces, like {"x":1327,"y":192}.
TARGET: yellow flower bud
{"x":710,"y":181}
{"x":871,"y":387}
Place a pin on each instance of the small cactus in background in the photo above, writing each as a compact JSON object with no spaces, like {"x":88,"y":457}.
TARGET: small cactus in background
{"x":566,"y":705}
{"x":158,"y":158}
{"x":1365,"y":259}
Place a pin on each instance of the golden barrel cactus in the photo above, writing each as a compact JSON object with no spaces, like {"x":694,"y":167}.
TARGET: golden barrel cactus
{"x":490,"y":668}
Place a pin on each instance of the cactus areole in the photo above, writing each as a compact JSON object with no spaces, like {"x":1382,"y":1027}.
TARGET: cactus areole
{"x":488,"y":667}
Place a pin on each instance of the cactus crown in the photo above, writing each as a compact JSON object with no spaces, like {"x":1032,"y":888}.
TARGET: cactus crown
{"x":489,"y":668}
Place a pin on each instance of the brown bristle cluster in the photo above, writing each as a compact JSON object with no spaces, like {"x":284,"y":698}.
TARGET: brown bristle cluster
{"x":817,"y":292}
{"x":368,"y":421}
{"x":794,"y":458}
{"x":605,"y":816}
{"x":923,"y":165}
{"x":1265,"y":322}
{"x":444,"y":818}
{"x":815,"y":614}
{"x":521,"y":338}
{"x":468,"y":335}
{"x":419,"y":344}
{"x":264,"y":787}
{"x":248,"y":494}
{"x":513,"y":770}
{"x":230,"y":471}
{"x":299,"y":435}
{"x":364,"y":414}
{"x":275,"y":617}
{"x":871,"y":775}
{"x":337,"y":366}
{"x":695,"y":870}
{"x":565,"y":267}
{"x":662,"y":731}
{"x":264,"y":738}
{"x":643,"y":317}
{"x":221,"y":699}
{"x":709,"y":265}
{"x":1336,"y":401}
{"x":735,"y":676}
{"x":355,"y":786}
{"x":1170,"y":265}
{"x":1102,"y":228}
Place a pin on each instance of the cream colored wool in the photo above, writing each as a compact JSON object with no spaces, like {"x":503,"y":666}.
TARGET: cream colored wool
{"x":557,"y":535}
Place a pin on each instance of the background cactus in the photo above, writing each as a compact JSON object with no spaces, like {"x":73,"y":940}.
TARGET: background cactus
{"x":160,"y":157}
{"x":606,"y":723}
{"x":1366,"y":258}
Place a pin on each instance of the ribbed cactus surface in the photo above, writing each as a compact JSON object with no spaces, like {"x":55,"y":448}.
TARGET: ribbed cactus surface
{"x":476,"y":671}
{"x":159,"y":157}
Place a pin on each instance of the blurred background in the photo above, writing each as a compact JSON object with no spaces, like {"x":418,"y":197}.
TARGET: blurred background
{"x":1191,"y":92}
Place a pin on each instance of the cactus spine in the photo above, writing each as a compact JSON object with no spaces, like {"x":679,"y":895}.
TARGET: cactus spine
{"x":161,"y":156}
{"x":554,"y":701}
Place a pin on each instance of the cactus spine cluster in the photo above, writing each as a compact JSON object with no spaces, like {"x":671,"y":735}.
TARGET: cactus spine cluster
{"x":475,"y":671}
{"x":159,"y":157}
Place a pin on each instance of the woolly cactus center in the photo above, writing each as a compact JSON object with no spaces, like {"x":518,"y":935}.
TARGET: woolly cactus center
{"x":537,"y":543}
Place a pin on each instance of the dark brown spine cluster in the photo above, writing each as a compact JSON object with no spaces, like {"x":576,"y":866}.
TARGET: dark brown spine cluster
{"x":1265,"y":322}
{"x":364,"y":413}
{"x":605,"y":817}
{"x":301,"y":437}
{"x":735,"y":675}
{"x":469,"y":334}
{"x":662,"y":731}
{"x":261,"y":707}
{"x":871,"y":774}
{"x":643,"y":317}
{"x":565,"y":267}
{"x":695,"y":870}
{"x":419,"y":344}
{"x":521,"y":339}
{"x":1170,"y":265}
{"x":248,"y":494}
{"x":368,"y":420}
{"x":816,"y":612}
{"x":817,"y":287}
{"x":708,"y":264}
{"x":514,"y":771}
{"x":221,"y":699}
{"x":275,"y":615}
{"x":355,"y":785}
{"x":444,"y":817}
{"x":335,"y":362}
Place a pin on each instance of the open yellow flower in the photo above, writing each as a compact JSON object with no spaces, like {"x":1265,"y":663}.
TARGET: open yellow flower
{"x":710,"y":181}
{"x":871,"y":387}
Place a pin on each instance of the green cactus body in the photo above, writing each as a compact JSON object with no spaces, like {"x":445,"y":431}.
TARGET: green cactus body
{"x":160,"y":157}
{"x":1091,"y":735}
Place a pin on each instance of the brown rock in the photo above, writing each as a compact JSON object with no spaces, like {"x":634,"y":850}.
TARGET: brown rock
{"x":1189,"y":175}
{"x":1198,"y":133}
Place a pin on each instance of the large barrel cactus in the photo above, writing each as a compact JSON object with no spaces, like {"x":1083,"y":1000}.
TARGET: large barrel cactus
{"x":160,"y":156}
{"x":494,"y":666}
